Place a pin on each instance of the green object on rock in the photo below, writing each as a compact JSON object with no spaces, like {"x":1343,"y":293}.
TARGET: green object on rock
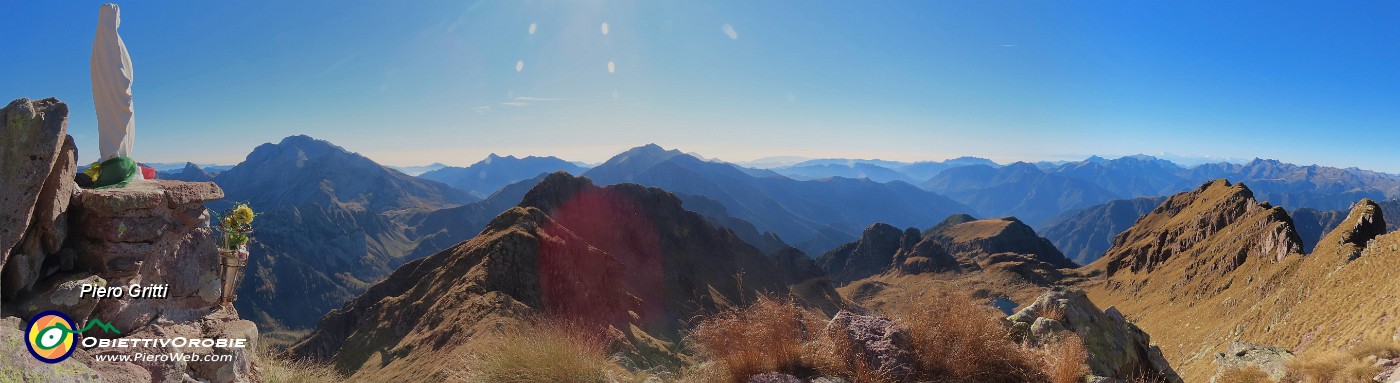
{"x":117,"y":171}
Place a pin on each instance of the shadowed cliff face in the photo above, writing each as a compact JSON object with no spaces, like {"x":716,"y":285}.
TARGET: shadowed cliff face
{"x":624,"y":257}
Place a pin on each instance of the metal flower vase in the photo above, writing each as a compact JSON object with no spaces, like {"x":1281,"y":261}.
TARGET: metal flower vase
{"x":231,"y":264}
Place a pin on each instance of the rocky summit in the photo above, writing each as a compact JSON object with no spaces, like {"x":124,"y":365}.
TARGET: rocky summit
{"x":870,"y":255}
{"x":640,"y":277}
{"x":1200,"y":226}
{"x":1212,"y":267}
{"x":147,"y":233}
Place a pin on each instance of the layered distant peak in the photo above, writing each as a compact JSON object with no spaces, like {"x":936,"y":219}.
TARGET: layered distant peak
{"x":650,"y":150}
{"x":1218,"y":225}
{"x":190,"y":173}
{"x":872,"y":254}
{"x":485,"y":177}
{"x":302,"y":170}
{"x":970,"y":160}
{"x":1084,"y":235}
{"x":951,"y":221}
{"x":631,"y":163}
{"x":308,"y":146}
{"x":1363,"y":223}
{"x":979,"y":240}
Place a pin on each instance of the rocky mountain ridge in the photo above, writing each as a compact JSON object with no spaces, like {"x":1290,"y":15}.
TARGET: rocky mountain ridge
{"x":640,"y":277}
{"x":1214,"y":266}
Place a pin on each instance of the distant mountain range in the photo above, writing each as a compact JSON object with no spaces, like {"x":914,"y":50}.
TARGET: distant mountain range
{"x":1084,"y":235}
{"x":418,"y":170}
{"x":176,"y":166}
{"x":335,"y":222}
{"x":491,"y":174}
{"x":1041,"y":191}
{"x":804,"y":213}
{"x":328,"y":225}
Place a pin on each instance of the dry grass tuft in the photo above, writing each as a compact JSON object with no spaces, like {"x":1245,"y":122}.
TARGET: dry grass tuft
{"x":770,"y":335}
{"x":960,"y":339}
{"x":277,"y":368}
{"x":544,"y":351}
{"x":954,"y":338}
{"x":1064,"y":361}
{"x":1249,"y":374}
{"x":1053,"y":311}
{"x":1342,"y":366}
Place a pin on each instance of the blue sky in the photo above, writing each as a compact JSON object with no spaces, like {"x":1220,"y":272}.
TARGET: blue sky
{"x":417,"y":82}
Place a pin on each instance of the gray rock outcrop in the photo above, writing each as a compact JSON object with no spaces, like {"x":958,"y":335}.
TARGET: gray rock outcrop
{"x":1117,"y":349}
{"x":1271,"y":360}
{"x":36,"y":171}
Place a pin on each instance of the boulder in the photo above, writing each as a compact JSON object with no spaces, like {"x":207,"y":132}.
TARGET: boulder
{"x":32,"y":137}
{"x":37,"y":164}
{"x":1239,"y":355}
{"x":16,"y":365}
{"x":882,"y":344}
{"x":61,"y":293}
{"x":1117,"y":349}
{"x":774,"y":377}
{"x":1389,"y":371}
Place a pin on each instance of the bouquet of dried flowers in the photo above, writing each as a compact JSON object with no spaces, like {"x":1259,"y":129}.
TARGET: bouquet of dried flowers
{"x":236,"y":225}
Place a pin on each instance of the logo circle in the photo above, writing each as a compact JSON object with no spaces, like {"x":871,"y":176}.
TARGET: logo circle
{"x":50,"y":336}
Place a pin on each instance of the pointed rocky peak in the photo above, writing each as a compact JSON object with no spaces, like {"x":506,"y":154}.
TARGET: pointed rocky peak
{"x":1218,"y":223}
{"x":871,"y":254}
{"x":556,"y":189}
{"x":190,"y":173}
{"x":923,"y":255}
{"x":1364,"y":222}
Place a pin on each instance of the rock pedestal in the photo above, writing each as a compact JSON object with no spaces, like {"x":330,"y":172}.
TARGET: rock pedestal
{"x":151,"y":233}
{"x":157,"y":234}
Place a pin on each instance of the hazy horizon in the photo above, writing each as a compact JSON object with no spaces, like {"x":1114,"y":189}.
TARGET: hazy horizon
{"x":415,"y":83}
